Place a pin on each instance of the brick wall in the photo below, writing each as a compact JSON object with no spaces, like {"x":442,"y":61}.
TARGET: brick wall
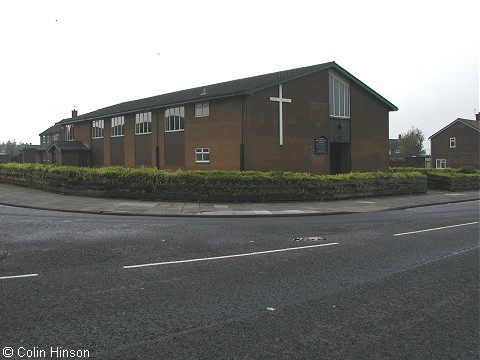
{"x":82,"y":131}
{"x":129,"y":140}
{"x":304,"y":119}
{"x":220,"y":131}
{"x":369,"y":137}
{"x":107,"y":142}
{"x":117,"y":150}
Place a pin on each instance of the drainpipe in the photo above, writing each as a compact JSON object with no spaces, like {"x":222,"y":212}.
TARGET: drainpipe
{"x":242,"y":145}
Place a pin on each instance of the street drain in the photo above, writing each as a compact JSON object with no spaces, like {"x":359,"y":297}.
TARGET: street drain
{"x":310,"y":239}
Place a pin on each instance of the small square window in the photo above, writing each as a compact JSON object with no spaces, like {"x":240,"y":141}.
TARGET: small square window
{"x":453,"y":142}
{"x":202,"y":109}
{"x":202,"y":155}
{"x":441,"y":163}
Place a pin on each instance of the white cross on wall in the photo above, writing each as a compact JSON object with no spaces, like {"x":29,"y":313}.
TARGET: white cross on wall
{"x":280,"y":100}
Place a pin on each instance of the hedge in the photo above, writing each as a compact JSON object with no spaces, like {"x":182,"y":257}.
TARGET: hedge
{"x":148,"y":183}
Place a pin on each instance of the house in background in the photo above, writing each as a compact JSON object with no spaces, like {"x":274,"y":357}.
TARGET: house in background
{"x":457,"y":144}
{"x":398,"y":160}
{"x":318,"y":119}
{"x":394,"y":147}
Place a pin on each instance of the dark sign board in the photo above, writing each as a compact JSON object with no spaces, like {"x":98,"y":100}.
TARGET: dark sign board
{"x":321,"y":145}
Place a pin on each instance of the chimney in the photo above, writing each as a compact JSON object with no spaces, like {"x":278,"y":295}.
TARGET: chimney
{"x":477,"y":116}
{"x":74,"y":113}
{"x":399,"y":136}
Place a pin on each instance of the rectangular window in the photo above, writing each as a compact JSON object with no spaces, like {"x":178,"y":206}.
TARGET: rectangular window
{"x":97,"y":129}
{"x":202,"y":155}
{"x":441,"y":164}
{"x":143,"y":123}
{"x":453,"y":142}
{"x":202,"y":109}
{"x":56,"y":137}
{"x":339,"y":97}
{"x":175,"y":119}
{"x":118,"y":126}
{"x":69,"y":134}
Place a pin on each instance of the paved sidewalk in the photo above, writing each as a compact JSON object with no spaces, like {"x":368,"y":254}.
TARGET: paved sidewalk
{"x":38,"y":199}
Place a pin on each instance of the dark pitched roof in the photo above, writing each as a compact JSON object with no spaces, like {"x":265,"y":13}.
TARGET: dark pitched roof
{"x":246,"y":86}
{"x":63,"y":145}
{"x":475,"y":125}
{"x":31,"y":148}
{"x":55,"y":129}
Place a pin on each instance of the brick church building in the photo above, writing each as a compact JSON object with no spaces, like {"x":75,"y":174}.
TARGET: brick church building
{"x":318,"y":119}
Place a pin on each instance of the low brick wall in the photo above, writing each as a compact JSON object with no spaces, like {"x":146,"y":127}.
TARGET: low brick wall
{"x":229,"y":188}
{"x":457,"y":183}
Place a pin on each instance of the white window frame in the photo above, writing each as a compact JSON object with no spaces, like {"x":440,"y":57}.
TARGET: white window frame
{"x":339,"y":96}
{"x":118,"y":126}
{"x":69,"y":132}
{"x":143,"y":123}
{"x":98,"y":129}
{"x":175,"y":119}
{"x":202,"y":109}
{"x":202,"y":155}
{"x":453,"y":142}
{"x":440,"y":163}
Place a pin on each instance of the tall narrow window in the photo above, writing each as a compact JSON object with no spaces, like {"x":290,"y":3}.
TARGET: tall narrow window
{"x":69,"y":134}
{"x":143,"y":123}
{"x":118,"y":126}
{"x":202,"y":109}
{"x":175,"y":119}
{"x":453,"y":142}
{"x":339,"y":97}
{"x":97,"y":129}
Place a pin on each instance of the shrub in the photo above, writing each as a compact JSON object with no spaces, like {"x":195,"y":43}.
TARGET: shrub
{"x":468,"y":170}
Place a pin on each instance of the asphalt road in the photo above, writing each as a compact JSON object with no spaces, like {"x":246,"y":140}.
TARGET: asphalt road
{"x":370,"y":290}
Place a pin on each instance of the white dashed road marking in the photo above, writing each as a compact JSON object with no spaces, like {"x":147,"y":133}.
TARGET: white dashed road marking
{"x":434,"y":229}
{"x":228,"y":256}
{"x":17,"y":276}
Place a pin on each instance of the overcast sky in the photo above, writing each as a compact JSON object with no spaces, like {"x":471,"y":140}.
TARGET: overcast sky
{"x":423,"y":56}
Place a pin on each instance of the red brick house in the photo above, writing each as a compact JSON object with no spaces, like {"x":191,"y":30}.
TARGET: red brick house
{"x":457,"y":144}
{"x":318,"y":119}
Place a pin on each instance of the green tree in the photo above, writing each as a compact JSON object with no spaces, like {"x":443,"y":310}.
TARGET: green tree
{"x":411,"y":143}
